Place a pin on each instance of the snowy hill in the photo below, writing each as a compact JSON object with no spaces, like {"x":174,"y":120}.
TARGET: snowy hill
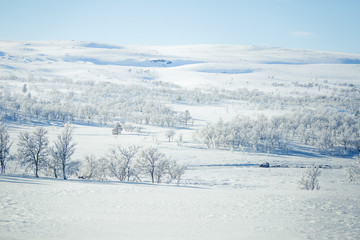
{"x":88,"y":82}
{"x":95,"y":83}
{"x":223,"y":66}
{"x":219,"y":110}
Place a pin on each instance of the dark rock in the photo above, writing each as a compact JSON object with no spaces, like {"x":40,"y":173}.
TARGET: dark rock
{"x":265,"y":165}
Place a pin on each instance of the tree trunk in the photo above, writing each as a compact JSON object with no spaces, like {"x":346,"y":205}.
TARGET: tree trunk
{"x":128,"y":174}
{"x":2,"y":161}
{"x":64,"y":171}
{"x":55,"y":173}
{"x":36,"y":170}
{"x":152,"y":176}
{"x":2,"y":167}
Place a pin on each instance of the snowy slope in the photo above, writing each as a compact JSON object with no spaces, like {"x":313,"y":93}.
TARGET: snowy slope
{"x":245,"y":204}
{"x":224,"y":194}
{"x":224,"y":66}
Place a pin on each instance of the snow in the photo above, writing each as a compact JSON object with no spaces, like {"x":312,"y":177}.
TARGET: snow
{"x":223,"y":194}
{"x":214,"y":203}
{"x":191,"y":66}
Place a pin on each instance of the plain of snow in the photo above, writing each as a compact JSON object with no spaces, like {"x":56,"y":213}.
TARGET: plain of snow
{"x":223,"y":195}
{"x":219,"y":203}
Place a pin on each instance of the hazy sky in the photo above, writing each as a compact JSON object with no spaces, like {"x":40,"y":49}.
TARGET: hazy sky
{"x":331,"y":25}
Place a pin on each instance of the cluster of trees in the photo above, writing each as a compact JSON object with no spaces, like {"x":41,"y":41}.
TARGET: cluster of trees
{"x":101,"y":103}
{"x":344,"y":97}
{"x":105,"y":102}
{"x":260,"y":134}
{"x":124,"y":163}
{"x":35,"y":153}
{"x":327,"y":131}
{"x":132,"y":164}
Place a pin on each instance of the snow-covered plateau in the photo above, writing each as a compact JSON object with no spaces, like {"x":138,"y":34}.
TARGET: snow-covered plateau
{"x":219,"y":110}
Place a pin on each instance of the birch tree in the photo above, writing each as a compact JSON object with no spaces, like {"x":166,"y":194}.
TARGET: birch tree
{"x":33,"y":149}
{"x":149,"y":162}
{"x":122,"y":161}
{"x":63,"y":150}
{"x":5,"y":146}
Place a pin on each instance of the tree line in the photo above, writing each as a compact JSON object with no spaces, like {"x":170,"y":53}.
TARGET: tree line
{"x":328,"y":131}
{"x":95,"y":103}
{"x":125,"y":163}
{"x":105,"y":103}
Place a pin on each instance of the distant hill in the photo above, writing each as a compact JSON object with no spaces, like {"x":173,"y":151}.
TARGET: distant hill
{"x":220,"y":66}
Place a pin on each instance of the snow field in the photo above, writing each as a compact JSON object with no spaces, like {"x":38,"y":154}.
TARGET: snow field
{"x":235,"y":203}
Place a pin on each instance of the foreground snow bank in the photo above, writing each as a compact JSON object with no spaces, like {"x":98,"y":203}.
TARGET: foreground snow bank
{"x":55,"y":209}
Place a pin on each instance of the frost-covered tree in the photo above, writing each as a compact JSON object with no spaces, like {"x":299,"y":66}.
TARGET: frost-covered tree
{"x":353,"y":172}
{"x":88,"y":168}
{"x":150,"y":162}
{"x":180,"y":140}
{"x":186,"y":117}
{"x":175,"y":171}
{"x":161,"y":169}
{"x":5,"y":146}
{"x":53,"y":163}
{"x":170,"y":134}
{"x":343,"y":137}
{"x":63,"y":150}
{"x":128,"y":127}
{"x":309,"y":178}
{"x":117,"y":129}
{"x":122,"y":162}
{"x":33,"y":149}
{"x":93,"y":168}
{"x":355,"y":138}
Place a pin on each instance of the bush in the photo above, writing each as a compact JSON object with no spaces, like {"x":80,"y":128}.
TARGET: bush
{"x":353,"y":172}
{"x":309,"y":179}
{"x":93,"y":168}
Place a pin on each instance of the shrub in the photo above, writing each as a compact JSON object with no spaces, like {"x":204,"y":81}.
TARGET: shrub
{"x":309,"y":179}
{"x":353,"y":172}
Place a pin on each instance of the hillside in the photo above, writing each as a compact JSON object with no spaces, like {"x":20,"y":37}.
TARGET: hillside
{"x":151,"y":88}
{"x":218,"y":66}
{"x":218,"y":110}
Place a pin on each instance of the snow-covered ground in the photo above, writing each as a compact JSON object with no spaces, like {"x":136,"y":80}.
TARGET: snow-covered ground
{"x":223,"y":194}
{"x":215,"y":203}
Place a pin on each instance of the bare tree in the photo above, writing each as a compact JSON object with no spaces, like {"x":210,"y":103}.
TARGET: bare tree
{"x":175,"y":171}
{"x":170,"y":134}
{"x":180,"y":140}
{"x":33,"y":149}
{"x":88,"y":168}
{"x":53,"y":163}
{"x":5,"y":146}
{"x":187,"y":116}
{"x":149,"y":161}
{"x":63,"y":150}
{"x":309,"y":179}
{"x":121,"y":162}
{"x":353,"y":172}
{"x":160,"y":169}
{"x":93,"y":168}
